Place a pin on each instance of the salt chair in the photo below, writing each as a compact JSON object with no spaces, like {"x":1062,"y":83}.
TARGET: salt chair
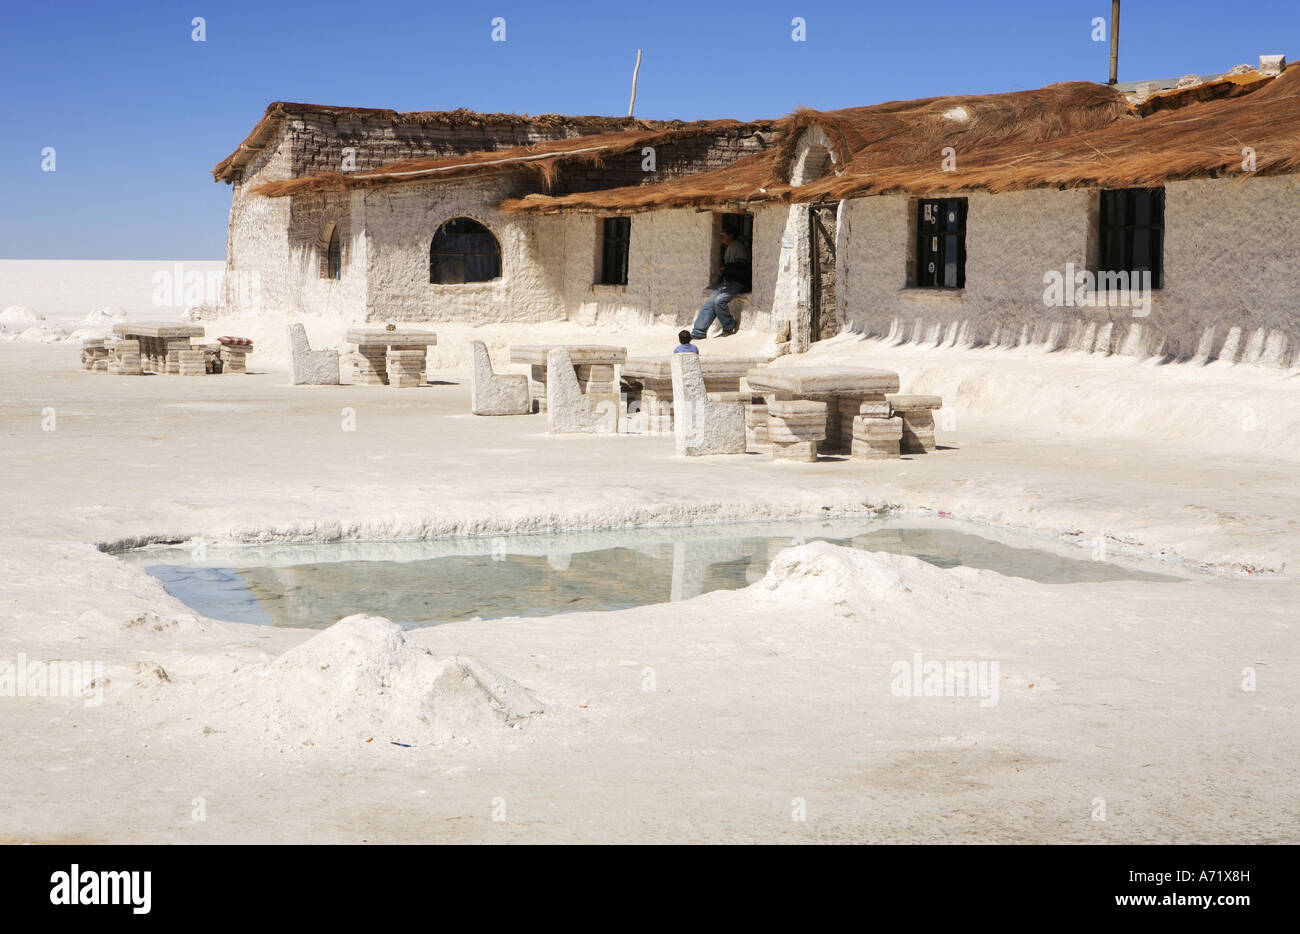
{"x":496,"y":394}
{"x":699,"y":425}
{"x":568,"y":409}
{"x":311,"y":367}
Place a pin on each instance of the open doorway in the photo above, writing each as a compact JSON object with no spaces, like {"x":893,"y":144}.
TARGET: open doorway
{"x":742,"y":226}
{"x":821,"y":261}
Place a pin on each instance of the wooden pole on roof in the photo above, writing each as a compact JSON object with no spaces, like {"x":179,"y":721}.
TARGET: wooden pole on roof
{"x":1114,"y":42}
{"x":632,"y":103}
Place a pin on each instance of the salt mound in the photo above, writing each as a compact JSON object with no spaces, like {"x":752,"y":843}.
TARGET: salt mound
{"x":40,"y":335}
{"x":362,"y":680}
{"x":106,"y":315}
{"x":19,"y":318}
{"x":97,"y":331}
{"x":860,"y":580}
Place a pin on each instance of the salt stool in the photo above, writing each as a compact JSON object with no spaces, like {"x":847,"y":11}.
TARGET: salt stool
{"x":917,"y":413}
{"x":406,"y":368}
{"x":191,"y":363}
{"x":876,"y":438}
{"x":93,"y":349}
{"x":234,"y":350}
{"x":756,"y":423}
{"x":794,"y":427}
{"x":125,"y":360}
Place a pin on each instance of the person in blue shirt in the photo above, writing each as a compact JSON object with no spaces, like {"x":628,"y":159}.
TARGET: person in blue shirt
{"x":685,"y":346}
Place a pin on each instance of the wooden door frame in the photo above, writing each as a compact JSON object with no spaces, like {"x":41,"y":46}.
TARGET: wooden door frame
{"x":814,"y":264}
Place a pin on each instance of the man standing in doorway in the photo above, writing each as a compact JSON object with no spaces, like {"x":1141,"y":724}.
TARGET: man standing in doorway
{"x":734,"y":278}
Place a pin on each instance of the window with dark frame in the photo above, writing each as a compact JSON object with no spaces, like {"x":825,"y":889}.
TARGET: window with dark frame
{"x":1132,"y":233}
{"x":615,"y":245}
{"x":334,"y":256}
{"x":941,"y":243}
{"x":463,"y":250}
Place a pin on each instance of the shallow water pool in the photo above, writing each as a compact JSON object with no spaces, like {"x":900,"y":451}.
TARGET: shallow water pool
{"x":429,"y":582}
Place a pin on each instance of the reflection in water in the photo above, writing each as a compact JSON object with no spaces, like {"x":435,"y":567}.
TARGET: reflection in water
{"x":498,"y":583}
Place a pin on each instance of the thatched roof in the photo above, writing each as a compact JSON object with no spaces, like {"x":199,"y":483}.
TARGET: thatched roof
{"x":544,"y":158}
{"x":231,"y":166}
{"x":1061,"y":136}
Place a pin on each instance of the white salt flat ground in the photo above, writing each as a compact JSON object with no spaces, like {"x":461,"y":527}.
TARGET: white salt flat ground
{"x":777,"y":692}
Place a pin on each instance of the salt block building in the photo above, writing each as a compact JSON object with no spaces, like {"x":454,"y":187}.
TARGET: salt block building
{"x":1157,"y":222}
{"x":392,"y":216}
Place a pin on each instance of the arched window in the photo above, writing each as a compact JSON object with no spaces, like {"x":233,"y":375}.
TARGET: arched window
{"x":334,"y":256}
{"x":463,"y":250}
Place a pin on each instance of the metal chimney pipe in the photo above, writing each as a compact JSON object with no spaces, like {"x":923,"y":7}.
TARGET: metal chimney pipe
{"x":1114,"y":42}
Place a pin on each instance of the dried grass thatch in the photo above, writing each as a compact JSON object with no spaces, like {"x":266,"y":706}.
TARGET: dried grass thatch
{"x":230,"y":167}
{"x":1061,"y":136}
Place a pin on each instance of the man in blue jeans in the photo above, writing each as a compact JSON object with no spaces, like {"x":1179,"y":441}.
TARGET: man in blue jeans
{"x":734,"y":275}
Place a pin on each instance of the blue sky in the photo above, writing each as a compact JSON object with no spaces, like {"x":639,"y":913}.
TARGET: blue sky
{"x":138,"y":113}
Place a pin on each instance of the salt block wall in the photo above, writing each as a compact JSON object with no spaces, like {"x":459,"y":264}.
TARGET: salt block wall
{"x":399,"y":223}
{"x":276,"y":248}
{"x":259,"y":275}
{"x":766,"y":261}
{"x":1232,"y":250}
{"x":786,"y":261}
{"x":311,"y":217}
{"x":1011,"y":240}
{"x":674,"y":158}
{"x":669,"y":268}
{"x":316,"y":143}
{"x":1231,"y":247}
{"x":318,"y":139}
